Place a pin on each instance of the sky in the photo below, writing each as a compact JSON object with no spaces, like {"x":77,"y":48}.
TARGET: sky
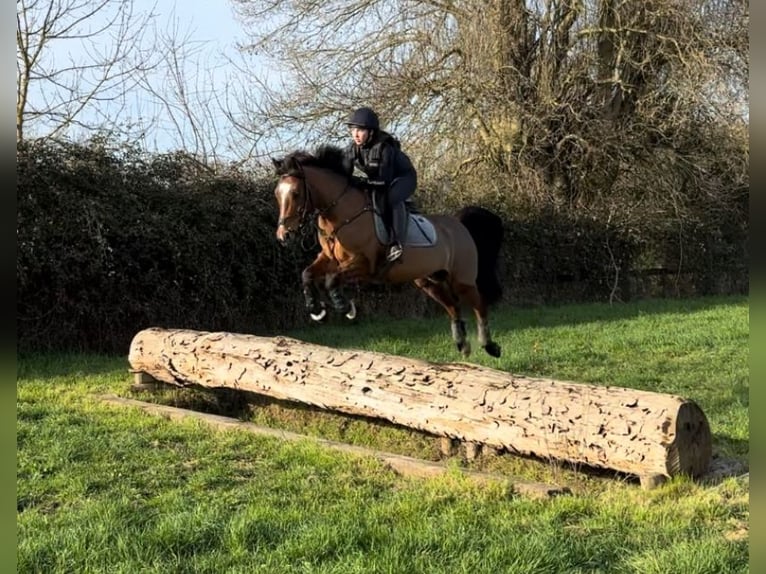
{"x":211,"y":27}
{"x":211,"y":33}
{"x":210,"y":21}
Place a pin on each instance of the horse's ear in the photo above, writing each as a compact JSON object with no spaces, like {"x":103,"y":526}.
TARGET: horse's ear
{"x":278,"y":163}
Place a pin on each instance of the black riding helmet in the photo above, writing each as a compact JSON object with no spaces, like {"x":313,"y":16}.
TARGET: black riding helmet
{"x":364,"y":118}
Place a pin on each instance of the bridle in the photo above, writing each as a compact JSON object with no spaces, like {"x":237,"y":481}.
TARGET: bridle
{"x":308,"y":208}
{"x":304,"y":209}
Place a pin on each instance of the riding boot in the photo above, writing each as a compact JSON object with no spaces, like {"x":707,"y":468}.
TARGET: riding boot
{"x":399,"y":219}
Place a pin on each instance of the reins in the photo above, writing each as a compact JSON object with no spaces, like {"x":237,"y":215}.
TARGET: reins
{"x":326,"y":210}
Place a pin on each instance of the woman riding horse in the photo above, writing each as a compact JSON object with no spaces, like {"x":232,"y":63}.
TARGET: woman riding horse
{"x":317,"y":190}
{"x":378,"y":155}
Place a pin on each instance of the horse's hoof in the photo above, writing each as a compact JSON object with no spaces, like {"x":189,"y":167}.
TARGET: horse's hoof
{"x":319,"y":316}
{"x":493,"y":349}
{"x":351,"y":313}
{"x":464,"y":348}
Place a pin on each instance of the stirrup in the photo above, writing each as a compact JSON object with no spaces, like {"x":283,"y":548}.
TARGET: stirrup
{"x":394,"y":252}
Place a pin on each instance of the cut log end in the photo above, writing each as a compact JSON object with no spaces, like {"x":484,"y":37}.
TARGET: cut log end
{"x":691,"y":451}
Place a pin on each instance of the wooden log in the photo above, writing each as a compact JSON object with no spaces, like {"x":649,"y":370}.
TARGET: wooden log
{"x":642,"y":433}
{"x":404,"y":465}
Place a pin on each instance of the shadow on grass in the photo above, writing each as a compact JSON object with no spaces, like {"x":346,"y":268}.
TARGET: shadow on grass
{"x":288,"y":415}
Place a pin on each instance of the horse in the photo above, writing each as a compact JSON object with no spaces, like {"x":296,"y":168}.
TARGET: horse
{"x":452,"y":258}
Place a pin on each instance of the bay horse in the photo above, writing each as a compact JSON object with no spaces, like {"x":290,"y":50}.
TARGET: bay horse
{"x":315,"y":188}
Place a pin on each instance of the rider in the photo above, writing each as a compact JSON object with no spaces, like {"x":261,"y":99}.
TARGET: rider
{"x":377,"y":154}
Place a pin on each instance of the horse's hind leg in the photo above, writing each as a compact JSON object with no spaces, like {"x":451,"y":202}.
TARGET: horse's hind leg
{"x":442,"y":294}
{"x":470,"y":294}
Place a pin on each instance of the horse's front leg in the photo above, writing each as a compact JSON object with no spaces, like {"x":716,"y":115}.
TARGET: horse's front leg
{"x":334,"y":286}
{"x":318,"y":270}
{"x":351,"y":269}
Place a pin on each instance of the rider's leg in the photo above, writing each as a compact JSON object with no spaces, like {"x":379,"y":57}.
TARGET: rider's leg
{"x":401,"y":189}
{"x":399,"y":219}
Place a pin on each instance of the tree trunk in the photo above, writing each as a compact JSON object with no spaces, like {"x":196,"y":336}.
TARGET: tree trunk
{"x":636,"y":432}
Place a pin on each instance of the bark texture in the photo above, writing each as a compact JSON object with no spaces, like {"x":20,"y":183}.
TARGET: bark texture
{"x":636,"y":432}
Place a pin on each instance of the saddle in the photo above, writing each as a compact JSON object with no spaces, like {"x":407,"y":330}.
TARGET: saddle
{"x":420,"y":231}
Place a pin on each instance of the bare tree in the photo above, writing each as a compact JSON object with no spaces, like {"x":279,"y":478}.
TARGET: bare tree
{"x":58,"y":89}
{"x":569,"y":98}
{"x":181,"y":93}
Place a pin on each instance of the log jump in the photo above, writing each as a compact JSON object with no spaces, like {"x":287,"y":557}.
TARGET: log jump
{"x":647,"y":434}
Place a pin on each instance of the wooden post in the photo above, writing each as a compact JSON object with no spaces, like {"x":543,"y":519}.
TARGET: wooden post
{"x":637,"y":432}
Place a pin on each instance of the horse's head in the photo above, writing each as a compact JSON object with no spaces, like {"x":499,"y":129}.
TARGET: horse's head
{"x":291,"y":195}
{"x":296,"y":199}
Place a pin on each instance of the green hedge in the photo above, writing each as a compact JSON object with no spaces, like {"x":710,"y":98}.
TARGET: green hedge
{"x":111,"y":241}
{"x":109,"y":244}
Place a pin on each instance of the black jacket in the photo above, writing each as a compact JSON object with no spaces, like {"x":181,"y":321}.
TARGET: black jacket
{"x":380,"y":159}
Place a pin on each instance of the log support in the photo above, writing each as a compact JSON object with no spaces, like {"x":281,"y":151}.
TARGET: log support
{"x":652,"y":481}
{"x":448,"y":446}
{"x":144,"y":382}
{"x":472,"y":450}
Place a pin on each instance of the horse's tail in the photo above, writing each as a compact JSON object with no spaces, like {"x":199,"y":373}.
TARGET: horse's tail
{"x":486,"y":229}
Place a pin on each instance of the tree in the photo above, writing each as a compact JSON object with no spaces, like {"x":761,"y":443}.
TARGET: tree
{"x":565,"y":98}
{"x":58,"y":89}
{"x":182,"y":92}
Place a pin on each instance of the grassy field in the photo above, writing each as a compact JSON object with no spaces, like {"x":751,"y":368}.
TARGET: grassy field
{"x":104,"y":489}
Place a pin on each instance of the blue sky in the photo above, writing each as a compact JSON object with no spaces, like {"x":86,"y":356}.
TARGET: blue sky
{"x":212,"y":28}
{"x":209,"y":20}
{"x":211,"y":32}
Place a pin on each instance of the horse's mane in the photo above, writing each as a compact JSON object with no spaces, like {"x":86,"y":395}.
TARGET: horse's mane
{"x":326,"y":156}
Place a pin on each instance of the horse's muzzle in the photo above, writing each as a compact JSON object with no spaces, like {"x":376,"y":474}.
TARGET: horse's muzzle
{"x":284,"y":235}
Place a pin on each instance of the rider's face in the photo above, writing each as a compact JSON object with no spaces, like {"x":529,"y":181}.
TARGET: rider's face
{"x":359,"y":135}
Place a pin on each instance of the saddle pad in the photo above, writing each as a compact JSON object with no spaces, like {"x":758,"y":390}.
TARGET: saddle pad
{"x":420,"y":231}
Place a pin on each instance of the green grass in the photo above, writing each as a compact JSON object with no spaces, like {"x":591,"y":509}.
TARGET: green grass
{"x":104,"y":489}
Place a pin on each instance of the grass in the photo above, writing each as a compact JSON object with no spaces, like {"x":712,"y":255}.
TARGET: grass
{"x":101,"y":489}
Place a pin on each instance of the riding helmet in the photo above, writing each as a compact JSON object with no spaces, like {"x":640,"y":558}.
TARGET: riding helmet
{"x":364,"y":118}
